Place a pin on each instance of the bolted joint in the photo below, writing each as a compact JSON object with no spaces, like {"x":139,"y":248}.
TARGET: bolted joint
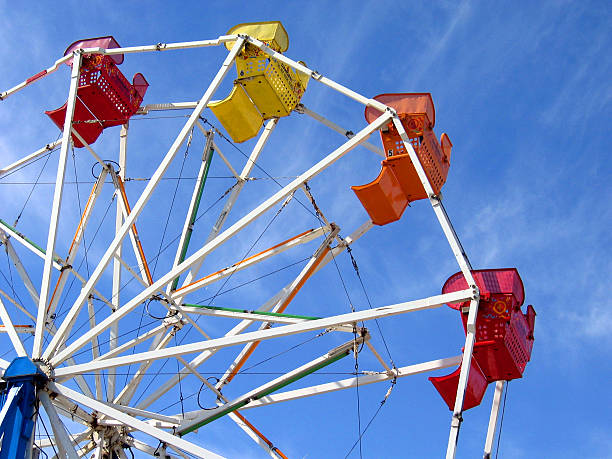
{"x":435,"y":199}
{"x":457,"y":419}
{"x":66,"y":267}
{"x":45,"y":366}
{"x":392,"y":111}
{"x":315,"y":75}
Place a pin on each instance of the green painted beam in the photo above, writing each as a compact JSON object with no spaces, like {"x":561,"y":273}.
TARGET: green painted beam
{"x":262,"y":313}
{"x":194,"y":214}
{"x":29,"y":241}
{"x":274,"y":388}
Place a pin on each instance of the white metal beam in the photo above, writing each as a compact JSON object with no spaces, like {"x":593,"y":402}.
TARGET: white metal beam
{"x":31,"y":157}
{"x":257,"y":149}
{"x":41,"y":318}
{"x":240,"y":421}
{"x":145,"y":109}
{"x":197,"y":418}
{"x":352,"y":382}
{"x":285,"y":330}
{"x":61,"y":436}
{"x":123,"y":205}
{"x":465,"y":266}
{"x":88,"y":148}
{"x":95,"y":349}
{"x":229,"y":204}
{"x":499,"y":390}
{"x":345,"y":132}
{"x":162,"y":46}
{"x":17,"y":305}
{"x":283,"y":301}
{"x":141,"y":446}
{"x":23,"y":274}
{"x":241,"y":315}
{"x":116,"y":287}
{"x":129,"y":389}
{"x":126,"y":50}
{"x":317,"y":76}
{"x":12,"y":232}
{"x":295,"y":241}
{"x":195,"y":199}
{"x":134,"y":342}
{"x":464,"y":375}
{"x":12,"y":333}
{"x":76,"y":242}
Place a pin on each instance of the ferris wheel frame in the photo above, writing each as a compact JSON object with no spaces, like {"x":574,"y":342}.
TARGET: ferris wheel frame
{"x":57,"y":397}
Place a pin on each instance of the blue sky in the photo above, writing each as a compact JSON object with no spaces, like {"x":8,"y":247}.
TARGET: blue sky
{"x":523,"y":92}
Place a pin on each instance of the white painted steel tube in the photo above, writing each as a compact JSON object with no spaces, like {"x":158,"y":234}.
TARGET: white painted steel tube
{"x":318,"y":77}
{"x":41,"y":318}
{"x":59,"y":431}
{"x":31,"y":157}
{"x":12,"y":332}
{"x":345,"y":132}
{"x":286,"y":330}
{"x":352,"y":382}
{"x":499,"y":390}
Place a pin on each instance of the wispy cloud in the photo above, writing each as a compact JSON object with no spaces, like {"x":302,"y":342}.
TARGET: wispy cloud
{"x":459,"y":14}
{"x":586,"y":90}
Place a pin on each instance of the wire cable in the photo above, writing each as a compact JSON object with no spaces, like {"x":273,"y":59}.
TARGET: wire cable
{"x":29,"y":164}
{"x":32,"y":189}
{"x":178,"y":182}
{"x":224,"y":137}
{"x":356,"y":268}
{"x":393,"y":382}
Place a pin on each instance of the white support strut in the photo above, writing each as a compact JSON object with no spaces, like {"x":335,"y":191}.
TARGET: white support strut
{"x":41,"y":318}
{"x":62,"y":438}
{"x":499,"y":390}
{"x":363,"y":380}
{"x":285,"y":330}
{"x":116,"y":287}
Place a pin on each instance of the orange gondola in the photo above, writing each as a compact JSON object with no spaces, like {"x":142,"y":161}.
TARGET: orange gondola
{"x":398,"y":183}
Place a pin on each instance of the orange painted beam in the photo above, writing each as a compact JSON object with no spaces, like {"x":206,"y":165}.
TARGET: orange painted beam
{"x":281,"y":309}
{"x":76,"y":233}
{"x":135,"y":231}
{"x":245,"y":260}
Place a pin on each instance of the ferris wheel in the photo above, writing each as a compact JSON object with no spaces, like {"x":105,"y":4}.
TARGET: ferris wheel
{"x":182,"y":272}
